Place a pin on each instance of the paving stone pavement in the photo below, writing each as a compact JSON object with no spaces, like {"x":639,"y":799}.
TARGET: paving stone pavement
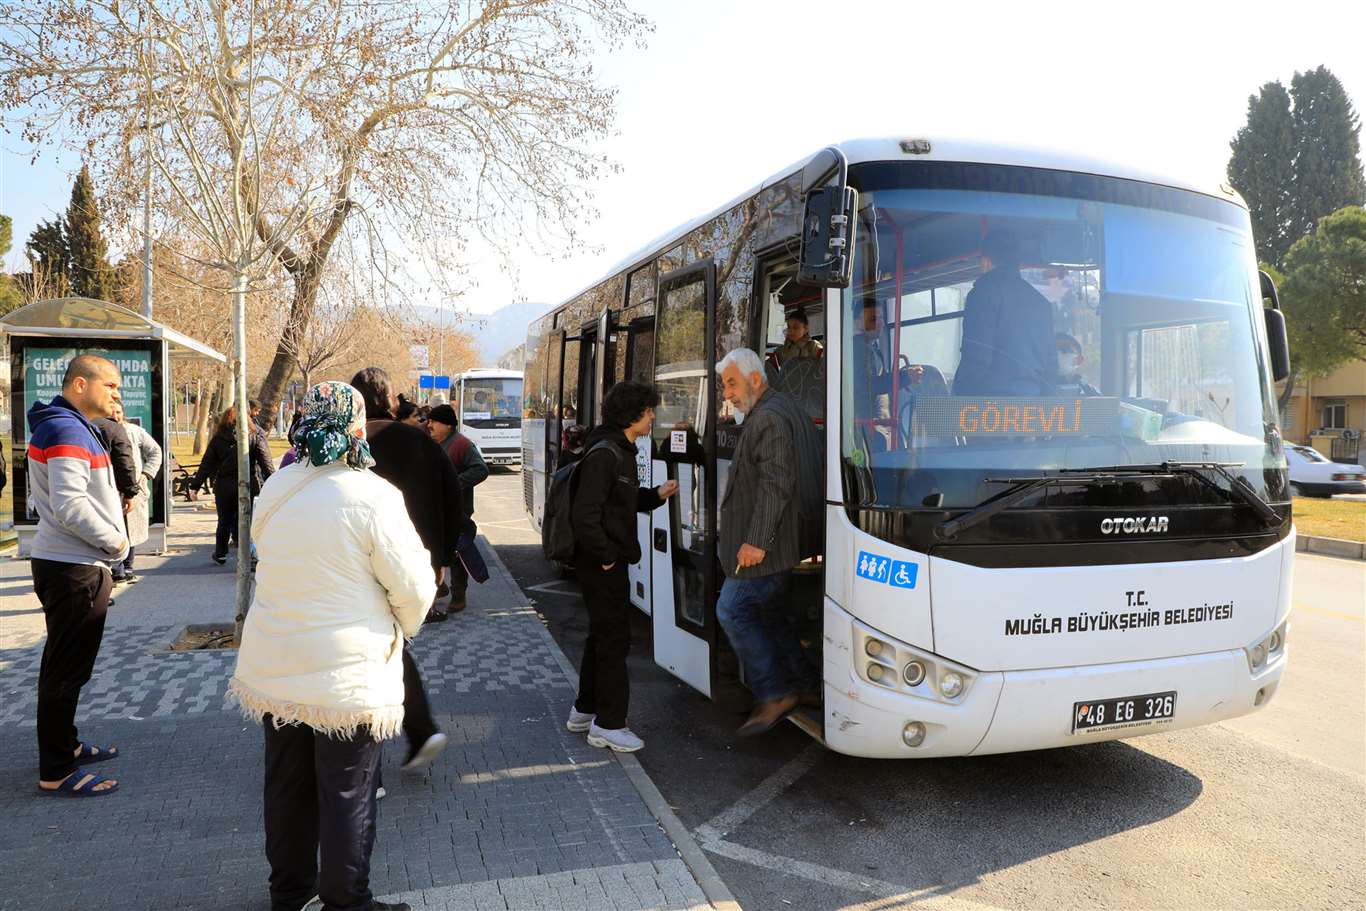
{"x":517,"y":813}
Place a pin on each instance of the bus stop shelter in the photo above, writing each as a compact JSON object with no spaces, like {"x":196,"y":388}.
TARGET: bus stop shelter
{"x":43,"y":339}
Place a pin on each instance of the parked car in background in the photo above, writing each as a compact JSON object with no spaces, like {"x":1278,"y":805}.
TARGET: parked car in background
{"x":1312,"y":474}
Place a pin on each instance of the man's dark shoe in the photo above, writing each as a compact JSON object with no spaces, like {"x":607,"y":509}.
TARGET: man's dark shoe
{"x":766,"y":715}
{"x":220,"y":560}
{"x":435,"y":616}
{"x":132,"y":579}
{"x":443,"y":590}
{"x":456,"y":606}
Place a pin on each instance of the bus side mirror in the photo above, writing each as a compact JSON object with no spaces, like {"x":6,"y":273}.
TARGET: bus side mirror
{"x":1277,"y":340}
{"x":827,"y":259}
{"x":1269,"y":289}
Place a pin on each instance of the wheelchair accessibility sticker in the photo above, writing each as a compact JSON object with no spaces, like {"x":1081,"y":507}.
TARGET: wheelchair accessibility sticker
{"x":896,"y":573}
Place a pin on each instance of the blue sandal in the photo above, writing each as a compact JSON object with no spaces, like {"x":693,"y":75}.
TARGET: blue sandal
{"x":79,"y":783}
{"x":90,"y":753}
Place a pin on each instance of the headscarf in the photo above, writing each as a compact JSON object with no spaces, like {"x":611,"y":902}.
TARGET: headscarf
{"x":332,"y":413}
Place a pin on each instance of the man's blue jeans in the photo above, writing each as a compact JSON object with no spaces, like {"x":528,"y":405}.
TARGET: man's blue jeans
{"x":758,"y":621}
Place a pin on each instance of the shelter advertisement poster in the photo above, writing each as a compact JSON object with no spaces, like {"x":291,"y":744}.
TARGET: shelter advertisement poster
{"x":44,"y":368}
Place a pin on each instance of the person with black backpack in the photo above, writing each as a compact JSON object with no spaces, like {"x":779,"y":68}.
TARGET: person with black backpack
{"x":591,"y":520}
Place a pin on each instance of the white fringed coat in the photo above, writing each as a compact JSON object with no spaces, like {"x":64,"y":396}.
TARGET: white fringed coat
{"x":343,"y":579}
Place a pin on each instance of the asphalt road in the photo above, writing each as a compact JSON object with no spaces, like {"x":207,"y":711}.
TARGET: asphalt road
{"x":1268,"y":811}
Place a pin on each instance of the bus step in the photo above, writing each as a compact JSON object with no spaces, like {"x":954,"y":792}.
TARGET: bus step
{"x":809,"y":720}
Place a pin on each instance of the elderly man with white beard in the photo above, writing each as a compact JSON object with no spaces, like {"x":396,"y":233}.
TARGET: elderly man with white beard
{"x":774,"y":486}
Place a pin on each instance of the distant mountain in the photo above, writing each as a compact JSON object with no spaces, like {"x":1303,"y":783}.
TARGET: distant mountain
{"x":495,"y":333}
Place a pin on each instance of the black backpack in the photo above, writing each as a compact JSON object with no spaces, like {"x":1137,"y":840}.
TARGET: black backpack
{"x":557,"y":529}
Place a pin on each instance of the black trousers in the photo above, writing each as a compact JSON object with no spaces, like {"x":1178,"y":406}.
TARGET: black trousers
{"x":604,"y":688}
{"x":319,"y":803}
{"x":225,"y":504}
{"x":418,"y":723}
{"x":75,"y":599}
{"x":460,"y":581}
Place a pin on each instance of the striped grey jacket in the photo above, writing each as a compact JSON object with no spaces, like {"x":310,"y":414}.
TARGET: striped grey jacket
{"x":775,"y":481}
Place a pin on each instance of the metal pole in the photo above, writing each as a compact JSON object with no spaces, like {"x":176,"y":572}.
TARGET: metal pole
{"x":147,"y":231}
{"x":147,"y":206}
{"x":239,"y":327}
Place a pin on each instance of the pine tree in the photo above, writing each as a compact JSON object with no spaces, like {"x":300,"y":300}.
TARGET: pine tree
{"x":91,"y":274}
{"x":1324,"y":293}
{"x":1296,"y":164}
{"x":50,"y":257}
{"x":1262,"y":169}
{"x":1327,"y":143}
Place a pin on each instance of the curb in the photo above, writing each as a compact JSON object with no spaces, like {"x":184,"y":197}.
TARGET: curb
{"x":707,"y":878}
{"x":1331,"y":547}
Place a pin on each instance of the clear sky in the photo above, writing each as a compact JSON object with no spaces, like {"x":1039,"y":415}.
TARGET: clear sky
{"x":729,"y":91}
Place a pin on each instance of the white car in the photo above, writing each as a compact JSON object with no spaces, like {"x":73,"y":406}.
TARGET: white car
{"x":1314,"y":475}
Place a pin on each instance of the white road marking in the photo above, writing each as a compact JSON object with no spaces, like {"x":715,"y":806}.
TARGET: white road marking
{"x":712,"y":835}
{"x":729,"y":820}
{"x":889,"y":895}
{"x":554,"y":588}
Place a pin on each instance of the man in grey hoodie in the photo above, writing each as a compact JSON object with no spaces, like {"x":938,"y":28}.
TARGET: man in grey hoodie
{"x":80,"y":532}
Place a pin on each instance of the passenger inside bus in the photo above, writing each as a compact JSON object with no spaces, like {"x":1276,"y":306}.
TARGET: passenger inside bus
{"x":1008,"y":346}
{"x":1070,"y":359}
{"x":798,"y":343}
{"x":871,"y":374}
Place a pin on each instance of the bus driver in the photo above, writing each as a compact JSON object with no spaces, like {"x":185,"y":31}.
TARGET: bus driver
{"x":1008,"y":344}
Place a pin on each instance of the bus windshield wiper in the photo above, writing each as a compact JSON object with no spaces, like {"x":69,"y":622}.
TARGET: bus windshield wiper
{"x":1021,"y":488}
{"x":1238,"y":488}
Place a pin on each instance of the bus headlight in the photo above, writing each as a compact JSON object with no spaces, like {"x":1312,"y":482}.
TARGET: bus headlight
{"x":913,"y":734}
{"x":913,"y":673}
{"x":951,"y":685}
{"x":1267,"y":649}
{"x":906,"y":669}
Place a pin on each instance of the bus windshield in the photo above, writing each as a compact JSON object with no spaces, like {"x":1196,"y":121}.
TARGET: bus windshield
{"x":1009,"y":328}
{"x":492,"y":399}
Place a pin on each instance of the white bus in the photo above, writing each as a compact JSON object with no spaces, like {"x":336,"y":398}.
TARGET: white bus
{"x":1090,"y":539}
{"x":489,"y":402}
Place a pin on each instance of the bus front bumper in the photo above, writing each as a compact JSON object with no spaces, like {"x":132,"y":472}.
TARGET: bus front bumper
{"x":1012,"y":711}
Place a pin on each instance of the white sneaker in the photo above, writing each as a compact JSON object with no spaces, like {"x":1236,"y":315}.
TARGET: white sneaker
{"x":621,"y":740}
{"x":380,"y":793}
{"x":427,"y":753}
{"x":579,"y":721}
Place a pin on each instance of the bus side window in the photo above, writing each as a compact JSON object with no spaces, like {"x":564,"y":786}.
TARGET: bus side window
{"x":640,"y":353}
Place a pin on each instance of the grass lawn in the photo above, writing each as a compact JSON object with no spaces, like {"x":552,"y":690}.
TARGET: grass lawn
{"x":183,"y":443}
{"x":1343,"y":519}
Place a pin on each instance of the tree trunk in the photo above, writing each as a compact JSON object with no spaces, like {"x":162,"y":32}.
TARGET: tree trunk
{"x":202,"y":403}
{"x":239,"y":362}
{"x":284,"y":365}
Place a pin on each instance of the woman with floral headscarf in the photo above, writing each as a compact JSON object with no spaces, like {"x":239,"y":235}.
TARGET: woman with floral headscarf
{"x":343,"y":580}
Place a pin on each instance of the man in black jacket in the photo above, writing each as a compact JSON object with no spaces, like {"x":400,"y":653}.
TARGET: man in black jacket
{"x":1007,"y":346}
{"x":471,"y":470}
{"x":126,"y":477}
{"x":408,"y":458}
{"x":605,"y":501}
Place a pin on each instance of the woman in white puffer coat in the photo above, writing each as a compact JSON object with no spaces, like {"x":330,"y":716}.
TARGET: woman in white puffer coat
{"x":343,"y":579}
